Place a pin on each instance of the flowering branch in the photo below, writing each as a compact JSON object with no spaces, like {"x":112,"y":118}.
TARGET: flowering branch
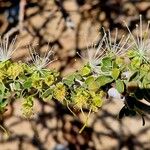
{"x":116,"y":69}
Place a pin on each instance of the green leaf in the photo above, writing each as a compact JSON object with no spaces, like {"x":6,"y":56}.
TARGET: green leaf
{"x":97,"y":100}
{"x":92,"y":84}
{"x":28,"y":83}
{"x":132,"y":53}
{"x":115,"y":73}
{"x":120,"y":86}
{"x":2,"y":87}
{"x":27,"y":68}
{"x":3,"y":104}
{"x":93,"y":87}
{"x":119,"y":61}
{"x":85,"y":71}
{"x":106,"y":64}
{"x":107,"y":61}
{"x":2,"y":64}
{"x":69,"y":80}
{"x":2,"y":90}
{"x":15,"y":86}
{"x":103,"y":80}
{"x":35,"y":75}
{"x":47,"y":95}
{"x":89,"y":80}
{"x":135,"y":63}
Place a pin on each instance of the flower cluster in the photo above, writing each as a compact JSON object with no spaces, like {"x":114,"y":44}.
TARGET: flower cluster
{"x":113,"y":68}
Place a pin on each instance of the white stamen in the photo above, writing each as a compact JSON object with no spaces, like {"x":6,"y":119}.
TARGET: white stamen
{"x":7,"y":49}
{"x":94,"y":55}
{"x":38,"y":61}
{"x":140,"y":41}
{"x":117,"y":48}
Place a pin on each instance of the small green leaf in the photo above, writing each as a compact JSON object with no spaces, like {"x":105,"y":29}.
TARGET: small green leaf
{"x":106,"y":64}
{"x":103,"y":80}
{"x":93,"y":87}
{"x":47,"y":95}
{"x":119,"y":61}
{"x":2,"y":90}
{"x":92,"y":84}
{"x":27,"y":84}
{"x":89,"y":80}
{"x":69,"y":80}
{"x":15,"y":86}
{"x":131,"y":53}
{"x":107,"y":61}
{"x":2,"y":87}
{"x":3,"y":104}
{"x":85,"y":71}
{"x":135,"y":63}
{"x":120,"y":86}
{"x":115,"y":73}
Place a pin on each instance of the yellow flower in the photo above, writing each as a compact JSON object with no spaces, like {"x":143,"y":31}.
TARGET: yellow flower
{"x":96,"y":100}
{"x":59,"y":92}
{"x":49,"y":80}
{"x":27,"y":107}
{"x":37,"y":84}
{"x":81,"y":101}
{"x":81,"y":98}
{"x":14,"y":70}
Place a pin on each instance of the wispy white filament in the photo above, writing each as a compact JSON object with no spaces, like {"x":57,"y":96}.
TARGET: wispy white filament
{"x":105,"y":47}
{"x":141,"y":41}
{"x":7,"y":48}
{"x":114,"y":46}
{"x":94,"y":54}
{"x":38,"y":61}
